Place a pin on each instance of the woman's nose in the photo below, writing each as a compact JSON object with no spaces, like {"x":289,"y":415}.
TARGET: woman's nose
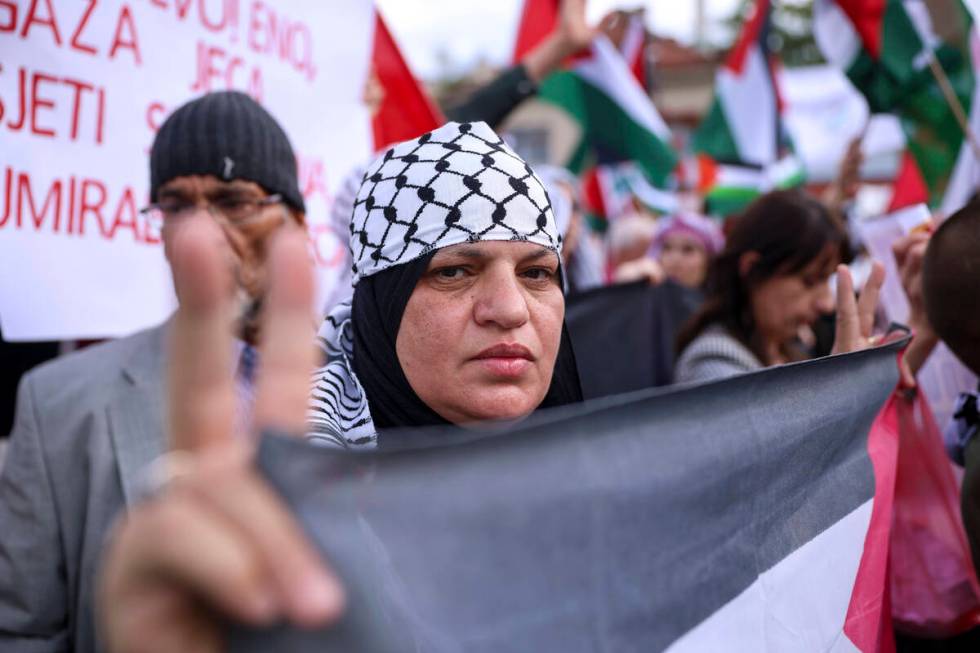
{"x":825,"y":298}
{"x":500,"y":300}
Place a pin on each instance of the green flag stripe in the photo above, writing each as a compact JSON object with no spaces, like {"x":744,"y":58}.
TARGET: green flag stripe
{"x":605,"y":124}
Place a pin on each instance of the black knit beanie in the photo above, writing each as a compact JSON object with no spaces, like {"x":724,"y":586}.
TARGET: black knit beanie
{"x":228,"y":135}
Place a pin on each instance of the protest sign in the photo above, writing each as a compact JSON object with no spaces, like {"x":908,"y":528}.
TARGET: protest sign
{"x":83,"y":88}
{"x":942,"y":377}
{"x":749,"y":514}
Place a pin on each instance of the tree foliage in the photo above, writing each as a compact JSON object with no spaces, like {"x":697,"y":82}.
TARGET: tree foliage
{"x":791,"y":34}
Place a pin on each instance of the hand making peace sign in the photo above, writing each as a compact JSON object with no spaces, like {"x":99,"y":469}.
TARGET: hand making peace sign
{"x":216,"y":535}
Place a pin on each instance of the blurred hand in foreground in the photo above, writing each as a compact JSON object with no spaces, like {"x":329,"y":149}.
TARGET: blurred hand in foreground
{"x":216,"y":540}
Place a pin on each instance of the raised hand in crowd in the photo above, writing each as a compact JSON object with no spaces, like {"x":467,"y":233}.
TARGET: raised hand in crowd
{"x":845,"y":185}
{"x":214,"y":534}
{"x":855,"y":317}
{"x":909,"y":253}
{"x":572,"y":34}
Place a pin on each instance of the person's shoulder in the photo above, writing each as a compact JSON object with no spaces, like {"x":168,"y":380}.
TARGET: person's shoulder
{"x":714,"y":354}
{"x":86,"y":371}
{"x":716,"y":340}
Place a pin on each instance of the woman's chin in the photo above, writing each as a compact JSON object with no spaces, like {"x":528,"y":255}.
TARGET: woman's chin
{"x":497,"y":405}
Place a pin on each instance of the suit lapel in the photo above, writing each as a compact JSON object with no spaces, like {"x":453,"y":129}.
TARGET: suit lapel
{"x":135,"y":412}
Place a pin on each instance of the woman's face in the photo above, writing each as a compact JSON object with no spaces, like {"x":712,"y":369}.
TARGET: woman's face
{"x":684,"y":259}
{"x":784,"y":303}
{"x":480,"y":334}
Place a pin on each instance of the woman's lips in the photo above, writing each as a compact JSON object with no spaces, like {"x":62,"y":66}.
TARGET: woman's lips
{"x":505,"y":360}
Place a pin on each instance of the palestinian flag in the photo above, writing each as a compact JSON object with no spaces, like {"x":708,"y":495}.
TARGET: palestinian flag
{"x":728,"y":188}
{"x":741,"y":144}
{"x":612,"y":190}
{"x":965,"y":179}
{"x":909,"y":188}
{"x":633,"y":46}
{"x":601,"y":94}
{"x":885,"y":47}
{"x":750,"y":514}
{"x":404,"y":109}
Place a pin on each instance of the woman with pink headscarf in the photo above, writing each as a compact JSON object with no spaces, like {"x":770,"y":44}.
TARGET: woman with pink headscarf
{"x":683,"y":245}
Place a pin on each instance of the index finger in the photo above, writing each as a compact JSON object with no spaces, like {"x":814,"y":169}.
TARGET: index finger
{"x":200,"y":393}
{"x":868,"y":301}
{"x":846,"y":329}
{"x":288,"y":349}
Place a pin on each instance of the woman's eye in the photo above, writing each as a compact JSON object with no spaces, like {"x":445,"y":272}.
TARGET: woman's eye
{"x":538,"y":274}
{"x":450,"y":273}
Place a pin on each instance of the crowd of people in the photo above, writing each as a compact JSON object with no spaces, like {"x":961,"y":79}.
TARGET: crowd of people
{"x":133,"y":517}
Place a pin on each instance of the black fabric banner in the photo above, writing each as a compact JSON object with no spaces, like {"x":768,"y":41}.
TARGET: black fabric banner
{"x":624,"y":335}
{"x":615,"y":525}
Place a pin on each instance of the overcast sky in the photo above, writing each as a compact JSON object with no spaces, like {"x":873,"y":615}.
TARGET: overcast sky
{"x":464,"y":31}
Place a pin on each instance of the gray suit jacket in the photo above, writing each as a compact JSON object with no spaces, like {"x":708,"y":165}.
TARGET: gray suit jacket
{"x":86,"y":425}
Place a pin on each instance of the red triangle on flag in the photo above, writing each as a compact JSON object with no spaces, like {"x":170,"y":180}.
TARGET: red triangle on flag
{"x":909,"y":188}
{"x":868,"y":18}
{"x":405,"y":111}
{"x":750,"y":35}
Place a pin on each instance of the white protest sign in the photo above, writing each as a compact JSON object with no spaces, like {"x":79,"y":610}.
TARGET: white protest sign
{"x":942,"y":377}
{"x":83,"y":88}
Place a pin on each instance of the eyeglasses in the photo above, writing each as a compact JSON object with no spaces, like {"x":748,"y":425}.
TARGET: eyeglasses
{"x":236,"y":211}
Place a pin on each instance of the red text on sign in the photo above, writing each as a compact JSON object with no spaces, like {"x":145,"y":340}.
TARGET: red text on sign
{"x":275,"y":35}
{"x":38,"y":94}
{"x":217,"y":70}
{"x":40,"y":21}
{"x":73,"y":207}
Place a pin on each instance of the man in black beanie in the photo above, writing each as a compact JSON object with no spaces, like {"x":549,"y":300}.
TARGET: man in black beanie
{"x":88,"y":425}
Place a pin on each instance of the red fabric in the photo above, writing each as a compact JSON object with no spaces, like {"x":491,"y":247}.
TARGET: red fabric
{"x":909,"y":187}
{"x":934,"y":589}
{"x":867,"y":17}
{"x":406,"y":110}
{"x":749,"y":37}
{"x":639,"y":67}
{"x":592,"y":193}
{"x":537,"y":21}
{"x":868,"y":621}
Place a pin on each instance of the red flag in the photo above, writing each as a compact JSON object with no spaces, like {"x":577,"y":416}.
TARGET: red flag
{"x":406,"y":111}
{"x":867,"y":17}
{"x":909,"y":188}
{"x":537,"y":21}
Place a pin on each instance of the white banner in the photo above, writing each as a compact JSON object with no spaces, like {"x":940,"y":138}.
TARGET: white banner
{"x":84,"y":86}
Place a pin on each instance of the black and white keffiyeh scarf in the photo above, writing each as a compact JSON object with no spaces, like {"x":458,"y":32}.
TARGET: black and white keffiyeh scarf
{"x":460,"y":183}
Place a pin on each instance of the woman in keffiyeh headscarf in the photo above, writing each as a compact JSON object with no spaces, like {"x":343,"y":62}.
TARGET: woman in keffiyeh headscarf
{"x":457,"y":314}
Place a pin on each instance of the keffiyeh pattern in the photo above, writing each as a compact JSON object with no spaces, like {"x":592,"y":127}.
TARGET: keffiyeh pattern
{"x":460,"y":183}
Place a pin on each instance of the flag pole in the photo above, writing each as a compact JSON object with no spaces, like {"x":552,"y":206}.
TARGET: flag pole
{"x":954,"y":103}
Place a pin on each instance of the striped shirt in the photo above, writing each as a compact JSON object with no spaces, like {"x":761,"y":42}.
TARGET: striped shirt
{"x":715,"y":354}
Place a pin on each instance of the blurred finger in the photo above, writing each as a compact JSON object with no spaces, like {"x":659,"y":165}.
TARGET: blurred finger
{"x":307,"y":592}
{"x":288,"y":352}
{"x":183,"y":543}
{"x":846,"y":329}
{"x":199,"y":390}
{"x":903,"y":246}
{"x":868,"y":301}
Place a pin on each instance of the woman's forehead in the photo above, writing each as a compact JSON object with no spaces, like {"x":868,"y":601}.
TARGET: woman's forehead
{"x":496,"y":249}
